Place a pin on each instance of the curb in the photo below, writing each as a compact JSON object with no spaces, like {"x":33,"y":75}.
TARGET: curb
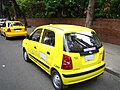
{"x":109,"y":70}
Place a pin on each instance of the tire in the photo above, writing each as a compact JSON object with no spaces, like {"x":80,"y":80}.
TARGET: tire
{"x":1,"y":33}
{"x":56,"y":81}
{"x":6,"y":38}
{"x":25,"y":56}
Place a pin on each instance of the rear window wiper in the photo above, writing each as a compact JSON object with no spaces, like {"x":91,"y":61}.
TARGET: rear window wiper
{"x":83,"y":43}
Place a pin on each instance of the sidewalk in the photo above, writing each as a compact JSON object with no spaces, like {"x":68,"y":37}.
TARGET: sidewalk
{"x":112,"y":58}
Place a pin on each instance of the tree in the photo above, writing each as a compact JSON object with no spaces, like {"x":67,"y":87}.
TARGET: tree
{"x":65,"y":8}
{"x":90,"y":13}
{"x":3,"y":12}
{"x":69,"y":8}
{"x":16,"y":7}
{"x":32,"y":8}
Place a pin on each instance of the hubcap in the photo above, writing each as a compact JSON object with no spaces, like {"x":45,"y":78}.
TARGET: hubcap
{"x":25,"y":55}
{"x":56,"y":81}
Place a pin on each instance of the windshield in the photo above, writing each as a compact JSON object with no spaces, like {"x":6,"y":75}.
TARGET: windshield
{"x":76,"y":42}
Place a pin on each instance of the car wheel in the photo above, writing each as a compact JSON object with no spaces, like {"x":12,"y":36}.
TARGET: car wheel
{"x":1,"y":33}
{"x":56,"y":81}
{"x":25,"y":56}
{"x":6,"y":38}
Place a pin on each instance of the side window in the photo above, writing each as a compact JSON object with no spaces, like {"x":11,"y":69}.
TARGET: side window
{"x":4,"y":25}
{"x":48,"y":38}
{"x":10,"y":24}
{"x":36,"y":35}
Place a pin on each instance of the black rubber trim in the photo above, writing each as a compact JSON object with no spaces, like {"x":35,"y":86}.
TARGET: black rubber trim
{"x":82,"y":73}
{"x":40,"y":61}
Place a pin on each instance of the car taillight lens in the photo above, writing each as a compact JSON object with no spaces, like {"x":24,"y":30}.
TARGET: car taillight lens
{"x":25,"y":29}
{"x":8,"y":30}
{"x":103,"y":55}
{"x":67,"y":63}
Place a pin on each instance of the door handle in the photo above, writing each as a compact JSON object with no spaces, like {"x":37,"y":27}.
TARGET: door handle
{"x":48,"y":53}
{"x":35,"y":47}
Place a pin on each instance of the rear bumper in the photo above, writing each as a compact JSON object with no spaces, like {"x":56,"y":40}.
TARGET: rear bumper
{"x":16,"y":34}
{"x":83,"y":76}
{"x":83,"y":73}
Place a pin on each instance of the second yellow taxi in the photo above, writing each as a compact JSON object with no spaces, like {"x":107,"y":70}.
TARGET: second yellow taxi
{"x":13,"y":29}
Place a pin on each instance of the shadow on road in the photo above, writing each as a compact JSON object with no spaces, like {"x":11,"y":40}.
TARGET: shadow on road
{"x":15,"y":38}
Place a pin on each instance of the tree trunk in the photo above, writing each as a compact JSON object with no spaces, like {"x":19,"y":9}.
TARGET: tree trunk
{"x":20,"y":12}
{"x":1,"y":8}
{"x":90,"y":13}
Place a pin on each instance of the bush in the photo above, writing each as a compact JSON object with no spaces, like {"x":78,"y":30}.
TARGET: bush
{"x":69,"y":8}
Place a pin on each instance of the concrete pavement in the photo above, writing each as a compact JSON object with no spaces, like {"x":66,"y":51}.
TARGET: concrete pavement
{"x":112,"y":58}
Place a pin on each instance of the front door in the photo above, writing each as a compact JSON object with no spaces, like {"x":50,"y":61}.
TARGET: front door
{"x":34,"y":43}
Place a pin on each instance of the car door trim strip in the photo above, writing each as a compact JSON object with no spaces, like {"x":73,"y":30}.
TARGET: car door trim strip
{"x":39,"y":61}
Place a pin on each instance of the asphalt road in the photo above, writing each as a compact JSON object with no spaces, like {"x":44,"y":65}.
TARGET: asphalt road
{"x":16,"y":74}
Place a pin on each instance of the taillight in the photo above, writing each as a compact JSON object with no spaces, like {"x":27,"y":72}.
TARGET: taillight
{"x":103,"y":55}
{"x":25,"y":29}
{"x":8,"y":30}
{"x":66,"y":63}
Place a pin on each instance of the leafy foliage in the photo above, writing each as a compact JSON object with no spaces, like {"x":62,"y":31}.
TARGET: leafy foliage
{"x":32,"y":8}
{"x":65,"y":8}
{"x":68,"y":8}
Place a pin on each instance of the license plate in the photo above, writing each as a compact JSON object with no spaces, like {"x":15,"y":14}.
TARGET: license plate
{"x":89,"y":58}
{"x":17,"y":30}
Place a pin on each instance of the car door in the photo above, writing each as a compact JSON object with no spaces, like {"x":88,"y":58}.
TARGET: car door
{"x":46,"y":49}
{"x":34,"y":42}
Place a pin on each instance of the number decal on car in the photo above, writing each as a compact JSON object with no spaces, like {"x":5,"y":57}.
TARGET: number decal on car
{"x":43,"y":56}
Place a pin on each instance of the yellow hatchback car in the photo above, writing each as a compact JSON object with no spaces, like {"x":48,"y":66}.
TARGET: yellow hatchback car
{"x":13,"y":29}
{"x":69,"y":53}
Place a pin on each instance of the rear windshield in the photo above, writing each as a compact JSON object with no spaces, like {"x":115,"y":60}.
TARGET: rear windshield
{"x":15,"y":24}
{"x":76,"y":42}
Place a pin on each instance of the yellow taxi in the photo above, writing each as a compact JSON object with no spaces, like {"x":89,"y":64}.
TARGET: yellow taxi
{"x":13,"y":29}
{"x":69,"y":53}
